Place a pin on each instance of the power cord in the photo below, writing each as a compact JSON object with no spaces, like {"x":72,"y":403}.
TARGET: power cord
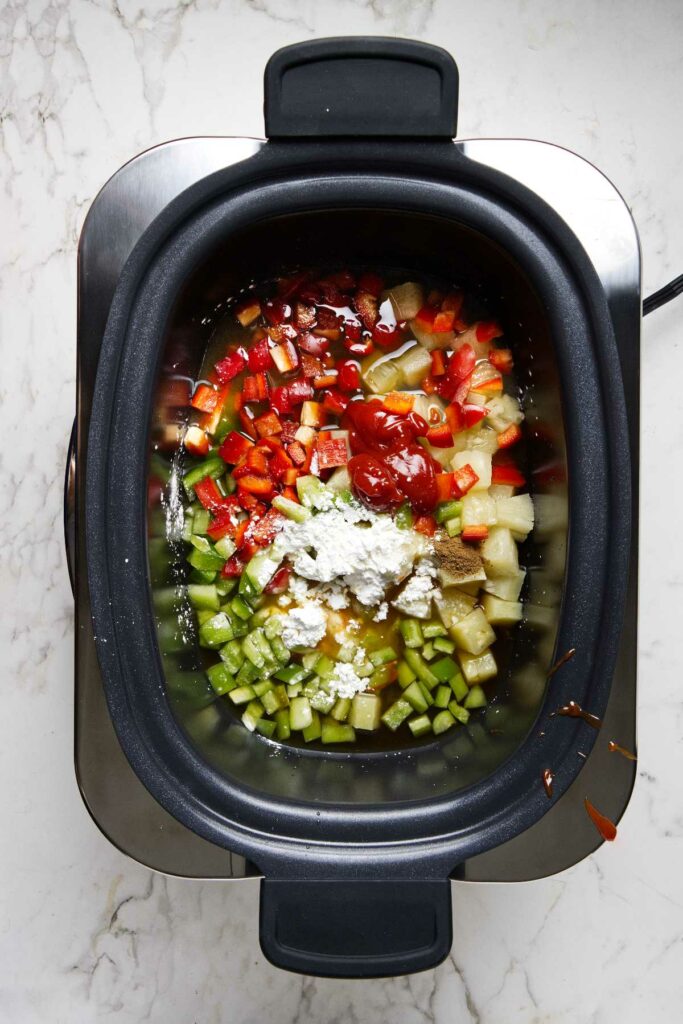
{"x":665,"y":294}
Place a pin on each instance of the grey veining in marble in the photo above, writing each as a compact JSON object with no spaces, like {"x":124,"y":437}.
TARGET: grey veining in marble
{"x":85,"y":934}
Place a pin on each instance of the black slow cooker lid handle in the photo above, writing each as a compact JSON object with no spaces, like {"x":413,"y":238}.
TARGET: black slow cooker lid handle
{"x":355,"y":928}
{"x":361,"y":86}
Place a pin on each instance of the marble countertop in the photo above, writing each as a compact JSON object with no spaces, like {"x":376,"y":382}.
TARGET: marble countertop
{"x":86,"y":934}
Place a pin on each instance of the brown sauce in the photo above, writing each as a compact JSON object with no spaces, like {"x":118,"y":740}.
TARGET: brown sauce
{"x":562,"y":661}
{"x":548,"y":779}
{"x":574,"y":710}
{"x":616,"y":748}
{"x":606,"y":828}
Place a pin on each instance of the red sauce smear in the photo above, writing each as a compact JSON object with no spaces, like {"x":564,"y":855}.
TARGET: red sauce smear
{"x":606,"y":828}
{"x":562,"y":661}
{"x":548,"y":779}
{"x":615,"y":748}
{"x":388,"y":466}
{"x":574,"y":710}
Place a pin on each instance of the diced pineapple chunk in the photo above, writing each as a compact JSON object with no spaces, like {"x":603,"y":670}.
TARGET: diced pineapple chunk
{"x":305,"y":436}
{"x":472,"y":588}
{"x":501,"y":490}
{"x":499,"y":552}
{"x":478,"y":509}
{"x":482,"y":439}
{"x":469,"y":337}
{"x":382,"y":377}
{"x":480,"y":463}
{"x":407,"y":299}
{"x":473,"y":633}
{"x":507,"y":589}
{"x":366,"y":711}
{"x":340,"y":480}
{"x":454,"y":606}
{"x":414,"y":365}
{"x":477,"y":668}
{"x":503,"y":411}
{"x":501,"y":613}
{"x":516,"y":513}
{"x":311,"y":414}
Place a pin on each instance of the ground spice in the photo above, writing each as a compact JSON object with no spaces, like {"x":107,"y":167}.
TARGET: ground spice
{"x":457,"y":558}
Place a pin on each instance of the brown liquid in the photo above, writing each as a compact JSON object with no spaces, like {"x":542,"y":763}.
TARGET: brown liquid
{"x":548,"y":779}
{"x":574,"y":710}
{"x":606,"y":828}
{"x":563,"y":661}
{"x":616,"y":748}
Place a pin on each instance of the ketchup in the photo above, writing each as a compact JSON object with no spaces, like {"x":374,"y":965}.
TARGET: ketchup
{"x":388,"y":466}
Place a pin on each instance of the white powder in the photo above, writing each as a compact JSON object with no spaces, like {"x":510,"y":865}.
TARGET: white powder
{"x":416,"y":597}
{"x":345,"y":682}
{"x":304,"y":626}
{"x":353,"y":545}
{"x":381,"y":612}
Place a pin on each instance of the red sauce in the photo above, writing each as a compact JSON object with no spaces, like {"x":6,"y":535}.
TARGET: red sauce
{"x":548,"y":779}
{"x":388,"y":466}
{"x":606,"y":828}
{"x":574,"y":710}
{"x":616,"y":748}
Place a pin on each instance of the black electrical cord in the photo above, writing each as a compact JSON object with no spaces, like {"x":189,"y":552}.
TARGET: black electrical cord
{"x":665,"y":294}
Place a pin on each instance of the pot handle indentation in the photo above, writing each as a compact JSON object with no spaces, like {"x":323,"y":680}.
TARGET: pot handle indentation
{"x":355,"y":928}
{"x":361,"y":86}
{"x":70,"y":508}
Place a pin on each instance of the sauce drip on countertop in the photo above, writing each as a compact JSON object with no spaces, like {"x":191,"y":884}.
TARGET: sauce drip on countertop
{"x":606,"y":828}
{"x":574,"y":710}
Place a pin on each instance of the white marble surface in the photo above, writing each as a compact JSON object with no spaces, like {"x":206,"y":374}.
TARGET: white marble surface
{"x":85,"y":934}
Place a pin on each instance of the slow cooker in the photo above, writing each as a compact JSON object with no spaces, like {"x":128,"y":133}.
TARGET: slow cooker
{"x":360,"y":166}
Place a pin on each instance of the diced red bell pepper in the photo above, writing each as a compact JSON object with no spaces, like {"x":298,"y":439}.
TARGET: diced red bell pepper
{"x":256,"y":484}
{"x":365,"y":304}
{"x":311,"y":365}
{"x":506,"y":474}
{"x":343,"y":279}
{"x":399,"y":403}
{"x":268,"y":424}
{"x":458,"y":374}
{"x":255,"y":388}
{"x":362,"y":346}
{"x":501,"y":358}
{"x":299,"y":391}
{"x":288,"y":287}
{"x":280,"y":400}
{"x":353,"y":330}
{"x":205,"y":398}
{"x":473,"y":414}
{"x":438,"y":363}
{"x":425,"y":319}
{"x":455,"y":418}
{"x":487,"y":330}
{"x":247,"y":420}
{"x":314,"y":345}
{"x":228,"y":367}
{"x":443,"y":321}
{"x":279,"y":464}
{"x":224,"y":523}
{"x":233,"y":567}
{"x":429,"y":384}
{"x":266,"y":528}
{"x":289,"y":480}
{"x":250,"y":503}
{"x":297,"y":453}
{"x":371,"y":283}
{"x":334,"y":401}
{"x":234,"y":447}
{"x":196,"y":441}
{"x":289,"y":429}
{"x":279,"y":582}
{"x":332,"y":453}
{"x":425,"y":525}
{"x":475,"y":533}
{"x":445,"y":486}
{"x":494,"y":383}
{"x":510,"y":436}
{"x":440,"y":436}
{"x":208,"y":495}
{"x":257,"y":461}
{"x":276,"y":311}
{"x":348,"y":375}
{"x":258,"y":356}
{"x":386,"y":335}
{"x":464,"y":479}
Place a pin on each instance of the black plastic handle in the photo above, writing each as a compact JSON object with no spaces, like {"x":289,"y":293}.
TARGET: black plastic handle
{"x":355,"y":929}
{"x":70,"y":509}
{"x":359,"y":86}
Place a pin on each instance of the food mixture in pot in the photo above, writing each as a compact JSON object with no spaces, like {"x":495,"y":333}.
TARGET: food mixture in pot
{"x":354,"y":508}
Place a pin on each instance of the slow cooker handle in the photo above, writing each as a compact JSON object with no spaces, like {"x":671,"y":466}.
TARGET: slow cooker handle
{"x":355,"y":928}
{"x":360,"y":86}
{"x":70,"y":509}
